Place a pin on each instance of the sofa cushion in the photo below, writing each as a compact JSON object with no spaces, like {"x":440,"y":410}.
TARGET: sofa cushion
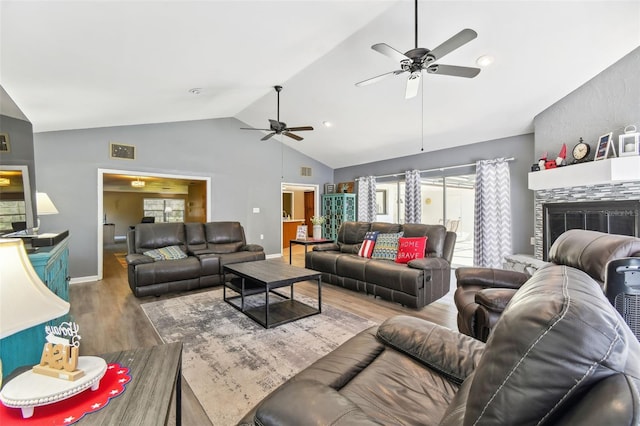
{"x":150,"y":236}
{"x":386,"y":246}
{"x":410,"y":248}
{"x":394,"y":276}
{"x":366,"y":249}
{"x":436,"y":235}
{"x":166,"y":253}
{"x":351,"y":267}
{"x":385,"y":227}
{"x":224,"y":237}
{"x":195,"y":237}
{"x":165,"y":271}
{"x":557,"y":337}
{"x":352,"y":232}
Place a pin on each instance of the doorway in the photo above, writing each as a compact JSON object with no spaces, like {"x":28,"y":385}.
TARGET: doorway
{"x":300,"y":202}
{"x":123,"y":201}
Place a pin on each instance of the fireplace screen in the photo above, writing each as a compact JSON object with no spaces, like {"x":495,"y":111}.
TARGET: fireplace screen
{"x":612,"y":217}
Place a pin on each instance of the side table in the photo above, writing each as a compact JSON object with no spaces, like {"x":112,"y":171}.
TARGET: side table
{"x":306,"y":243}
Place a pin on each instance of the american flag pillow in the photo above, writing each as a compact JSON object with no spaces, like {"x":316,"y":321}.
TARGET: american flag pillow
{"x":368,"y":244}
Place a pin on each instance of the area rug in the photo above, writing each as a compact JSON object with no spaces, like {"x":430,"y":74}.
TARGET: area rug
{"x":230,"y":361}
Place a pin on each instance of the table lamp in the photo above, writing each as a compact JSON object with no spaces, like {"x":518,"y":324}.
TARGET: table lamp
{"x":25,"y":301}
{"x":44,"y":206}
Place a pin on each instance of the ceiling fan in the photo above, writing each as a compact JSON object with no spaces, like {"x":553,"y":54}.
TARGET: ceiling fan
{"x":415,"y":60}
{"x":277,"y":127}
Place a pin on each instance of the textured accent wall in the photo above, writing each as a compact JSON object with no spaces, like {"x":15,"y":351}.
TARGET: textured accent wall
{"x":618,"y":191}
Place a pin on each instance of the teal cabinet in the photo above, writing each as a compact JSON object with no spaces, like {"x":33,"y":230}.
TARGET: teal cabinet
{"x":25,"y":348}
{"x":337,"y":208}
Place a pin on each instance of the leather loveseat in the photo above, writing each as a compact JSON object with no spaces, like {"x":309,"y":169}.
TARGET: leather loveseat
{"x":415,"y":284}
{"x":204,"y":247}
{"x":482,"y":293}
{"x":559,"y":355}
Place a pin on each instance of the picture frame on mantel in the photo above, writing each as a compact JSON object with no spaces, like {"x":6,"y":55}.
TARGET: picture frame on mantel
{"x":605,"y":147}
{"x":629,"y":144}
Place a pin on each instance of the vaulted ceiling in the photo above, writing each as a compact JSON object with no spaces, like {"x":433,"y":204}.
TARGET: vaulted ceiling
{"x":72,"y":64}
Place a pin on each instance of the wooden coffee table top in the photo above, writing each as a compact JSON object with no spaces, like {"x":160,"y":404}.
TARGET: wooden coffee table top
{"x":272,"y":272}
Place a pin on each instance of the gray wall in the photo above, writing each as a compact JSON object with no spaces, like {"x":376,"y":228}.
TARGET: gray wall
{"x":21,"y":144}
{"x":245,"y":173}
{"x":607,"y":103}
{"x":519,"y":147}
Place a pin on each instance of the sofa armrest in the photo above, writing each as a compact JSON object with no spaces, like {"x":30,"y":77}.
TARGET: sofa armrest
{"x":326,"y":247}
{"x":252,"y":247}
{"x":307,"y":402}
{"x":490,"y":277}
{"x":138,"y":259}
{"x":452,"y":354}
{"x":429,"y":263}
{"x":495,"y":299}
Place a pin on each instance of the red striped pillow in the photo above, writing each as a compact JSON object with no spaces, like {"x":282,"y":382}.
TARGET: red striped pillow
{"x":366,"y":249}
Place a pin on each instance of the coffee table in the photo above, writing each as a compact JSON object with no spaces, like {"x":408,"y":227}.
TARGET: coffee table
{"x":264,"y":276}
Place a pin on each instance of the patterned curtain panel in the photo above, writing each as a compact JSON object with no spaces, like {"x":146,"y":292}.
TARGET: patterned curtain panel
{"x":492,"y":213}
{"x":367,"y":199}
{"x":412,"y":197}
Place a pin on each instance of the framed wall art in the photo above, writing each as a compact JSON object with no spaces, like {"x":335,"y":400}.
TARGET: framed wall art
{"x":4,"y":143}
{"x":629,"y":142}
{"x":605,"y":147}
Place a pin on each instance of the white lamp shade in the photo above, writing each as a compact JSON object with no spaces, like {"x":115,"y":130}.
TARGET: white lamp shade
{"x":25,"y":301}
{"x":44,"y":205}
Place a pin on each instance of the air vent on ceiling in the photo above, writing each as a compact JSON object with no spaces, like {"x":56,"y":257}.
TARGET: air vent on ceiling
{"x":305,"y":171}
{"x":121,"y":151}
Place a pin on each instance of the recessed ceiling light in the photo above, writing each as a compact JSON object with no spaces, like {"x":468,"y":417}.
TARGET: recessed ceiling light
{"x":485,"y":60}
{"x":327,"y":123}
{"x":195,"y":91}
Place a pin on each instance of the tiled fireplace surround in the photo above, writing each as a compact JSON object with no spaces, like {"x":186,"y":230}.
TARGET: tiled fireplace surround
{"x":603,"y":192}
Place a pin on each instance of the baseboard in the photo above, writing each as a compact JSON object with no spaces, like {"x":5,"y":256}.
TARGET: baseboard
{"x":274,"y":256}
{"x":87,"y":279}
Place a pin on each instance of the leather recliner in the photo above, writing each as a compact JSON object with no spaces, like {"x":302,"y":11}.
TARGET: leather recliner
{"x":483,"y":293}
{"x":559,"y":355}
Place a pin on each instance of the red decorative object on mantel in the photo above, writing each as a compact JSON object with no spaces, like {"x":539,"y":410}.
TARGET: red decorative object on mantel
{"x":71,"y":410}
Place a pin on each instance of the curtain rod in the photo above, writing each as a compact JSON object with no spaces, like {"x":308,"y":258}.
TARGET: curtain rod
{"x":437,"y":169}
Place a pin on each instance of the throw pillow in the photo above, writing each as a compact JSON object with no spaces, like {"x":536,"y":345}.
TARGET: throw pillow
{"x":166,"y":253}
{"x":386,"y":246}
{"x":411,"y":248}
{"x":366,"y":249}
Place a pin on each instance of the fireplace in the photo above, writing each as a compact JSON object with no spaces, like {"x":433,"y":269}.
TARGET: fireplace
{"x":612,"y":216}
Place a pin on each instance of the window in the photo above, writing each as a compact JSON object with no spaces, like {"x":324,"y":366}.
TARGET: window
{"x":447,"y":200}
{"x":164,"y":209}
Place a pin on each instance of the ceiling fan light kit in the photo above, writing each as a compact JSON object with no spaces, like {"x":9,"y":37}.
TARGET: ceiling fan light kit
{"x":416,"y":60}
{"x":277,"y":127}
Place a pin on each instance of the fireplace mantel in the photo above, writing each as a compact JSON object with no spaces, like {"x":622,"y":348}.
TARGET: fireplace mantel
{"x":592,"y":173}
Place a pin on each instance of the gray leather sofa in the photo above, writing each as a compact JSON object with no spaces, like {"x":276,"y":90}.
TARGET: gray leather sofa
{"x":208,"y":247}
{"x":415,"y":284}
{"x":559,"y":355}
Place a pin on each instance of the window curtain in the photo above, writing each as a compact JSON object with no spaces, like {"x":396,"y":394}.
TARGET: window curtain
{"x":367,"y":208}
{"x":412,"y":197}
{"x":492,"y":213}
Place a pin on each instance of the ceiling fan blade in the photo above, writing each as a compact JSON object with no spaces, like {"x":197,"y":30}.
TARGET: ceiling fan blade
{"x":253,"y":128}
{"x":413,"y":83}
{"x":292,"y":136}
{"x":378,"y":78}
{"x":453,"y":70}
{"x":389,"y":51}
{"x":298,"y":129}
{"x":458,"y":40}
{"x":268,"y":136}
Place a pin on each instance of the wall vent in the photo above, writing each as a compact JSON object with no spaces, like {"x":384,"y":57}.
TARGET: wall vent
{"x":305,"y":171}
{"x":121,"y":151}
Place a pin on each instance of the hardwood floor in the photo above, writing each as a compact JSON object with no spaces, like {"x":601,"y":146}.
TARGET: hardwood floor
{"x":110,"y":317}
